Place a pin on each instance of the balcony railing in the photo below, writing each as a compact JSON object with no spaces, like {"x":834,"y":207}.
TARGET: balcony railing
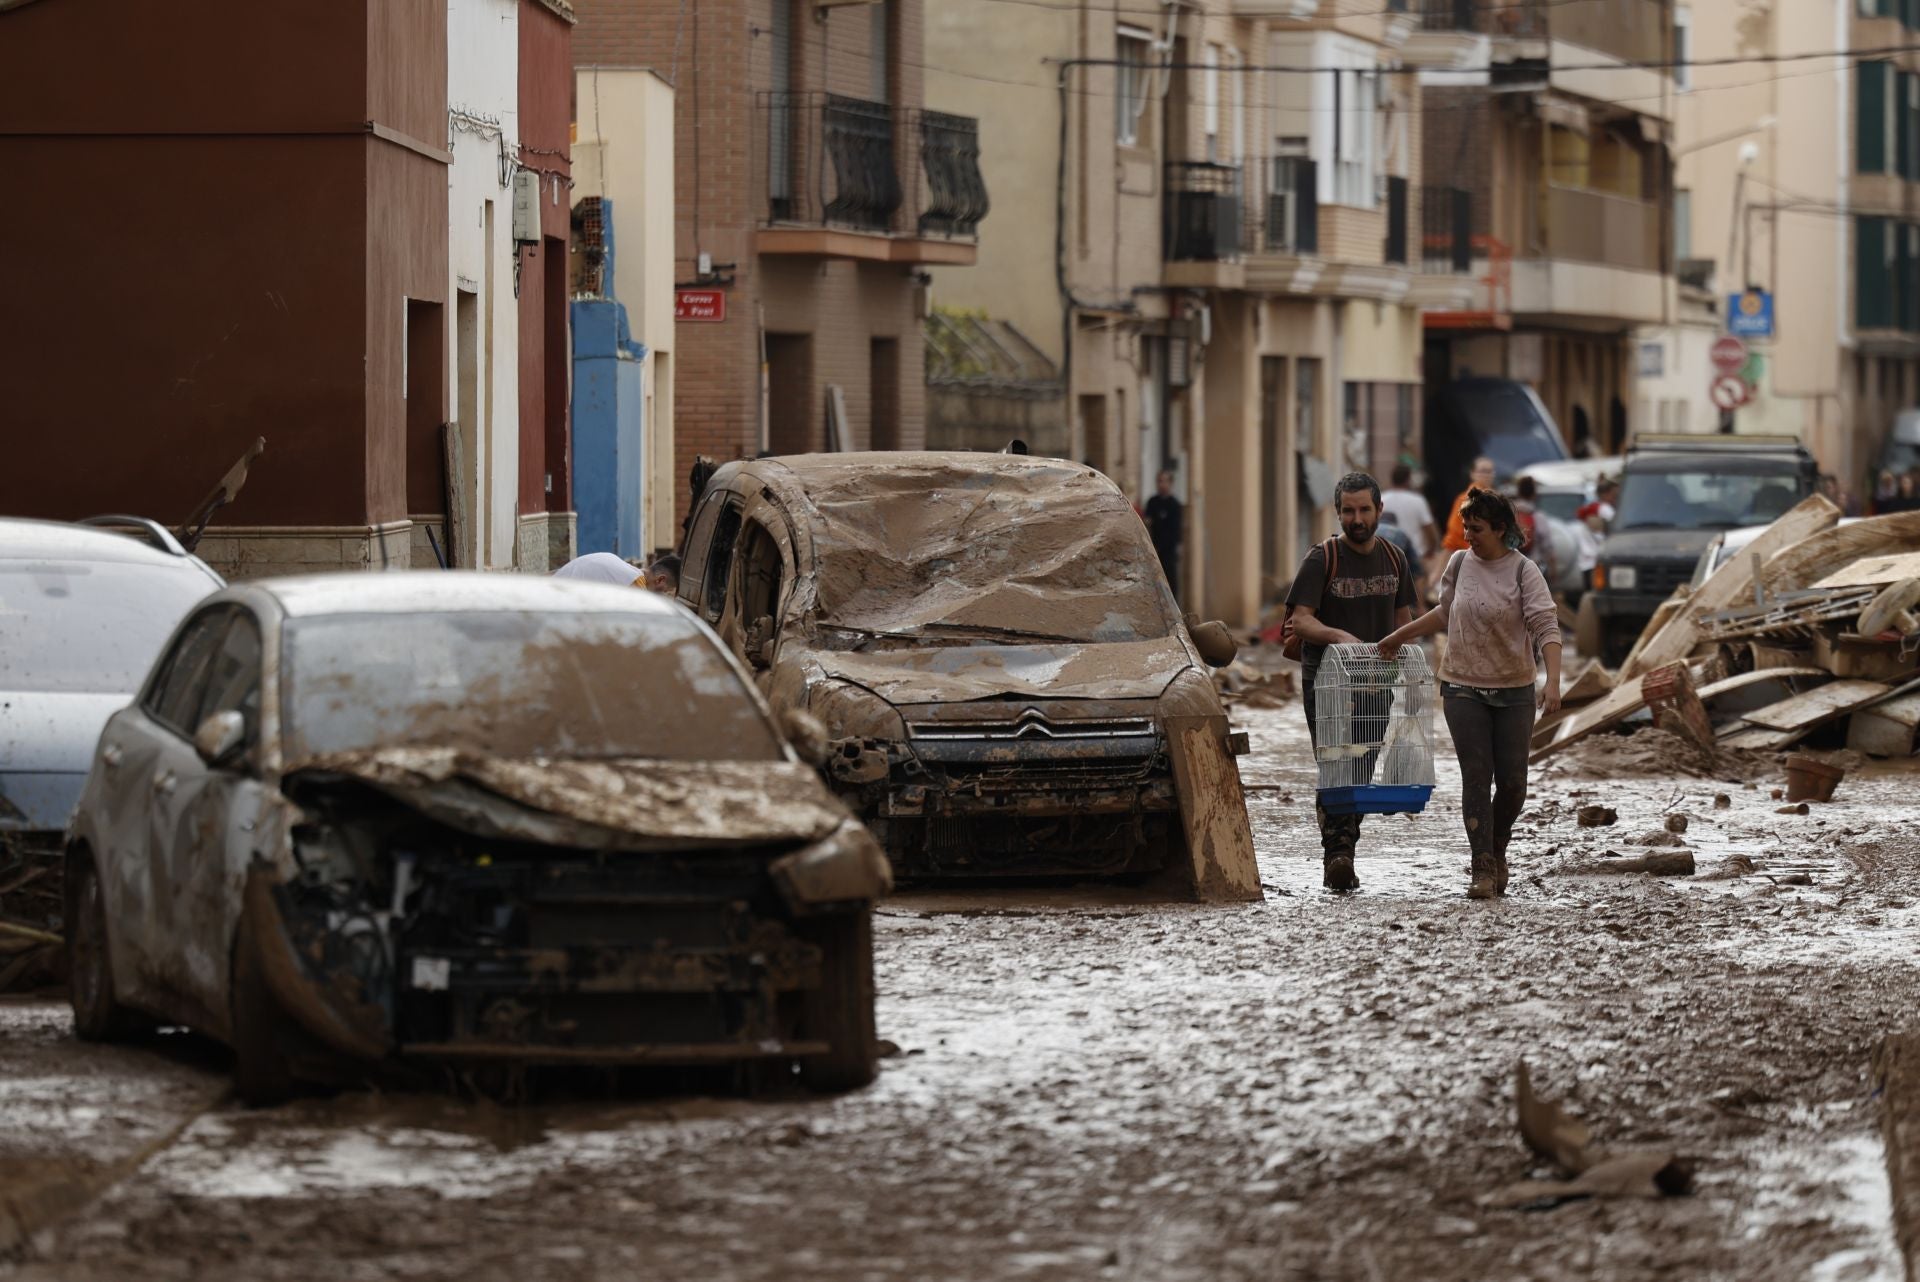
{"x":1518,"y":18}
{"x":834,"y":161}
{"x":1632,"y":30}
{"x":1291,"y":222}
{"x":1201,"y":214}
{"x":1597,"y":227}
{"x":1446,"y":231}
{"x":956,"y":195}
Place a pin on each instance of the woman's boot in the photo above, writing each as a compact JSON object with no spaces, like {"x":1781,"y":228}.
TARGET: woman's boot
{"x":1500,"y":873}
{"x":1483,"y":885}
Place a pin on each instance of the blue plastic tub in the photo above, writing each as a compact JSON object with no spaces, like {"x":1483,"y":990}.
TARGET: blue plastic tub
{"x":1376,"y":799}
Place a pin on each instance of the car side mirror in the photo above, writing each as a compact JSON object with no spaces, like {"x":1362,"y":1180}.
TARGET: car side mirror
{"x":220,"y":738}
{"x":807,"y":734}
{"x":1215,"y":642}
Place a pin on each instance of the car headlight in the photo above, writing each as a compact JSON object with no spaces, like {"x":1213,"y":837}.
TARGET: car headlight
{"x":1623,"y":577}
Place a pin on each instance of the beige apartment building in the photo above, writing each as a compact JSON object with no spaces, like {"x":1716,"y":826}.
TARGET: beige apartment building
{"x":1212,"y":217}
{"x":1806,"y":186}
{"x":1557,"y":116}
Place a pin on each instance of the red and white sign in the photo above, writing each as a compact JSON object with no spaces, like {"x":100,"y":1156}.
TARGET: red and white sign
{"x":1729,"y":354}
{"x":699,"y":305}
{"x":1730,"y":392}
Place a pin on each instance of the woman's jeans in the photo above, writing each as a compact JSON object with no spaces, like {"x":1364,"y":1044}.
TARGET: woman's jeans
{"x":1492,"y":733}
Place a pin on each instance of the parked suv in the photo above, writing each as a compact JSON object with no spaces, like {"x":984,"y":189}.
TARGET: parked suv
{"x":1676,"y":493}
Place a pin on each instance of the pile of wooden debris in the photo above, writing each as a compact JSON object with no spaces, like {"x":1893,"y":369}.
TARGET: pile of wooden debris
{"x":1815,"y":621}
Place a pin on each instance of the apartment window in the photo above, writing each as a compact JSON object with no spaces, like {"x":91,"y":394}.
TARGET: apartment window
{"x":1682,"y":224}
{"x":1210,"y":100}
{"x":880,"y":50}
{"x":1356,"y":162}
{"x":1906,"y":136}
{"x":1873,"y":249}
{"x":1239,"y":91}
{"x":1130,"y":95}
{"x":1683,"y":49}
{"x":1873,"y":100}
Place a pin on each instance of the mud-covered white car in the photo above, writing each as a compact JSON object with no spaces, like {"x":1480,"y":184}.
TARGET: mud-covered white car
{"x":83,"y":612}
{"x":1008,"y":685}
{"x":467,"y":819}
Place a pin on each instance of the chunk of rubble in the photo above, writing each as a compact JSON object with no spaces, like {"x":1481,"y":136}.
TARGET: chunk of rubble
{"x":1566,"y":1142}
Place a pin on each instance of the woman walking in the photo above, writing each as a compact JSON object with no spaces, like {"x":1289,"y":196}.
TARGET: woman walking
{"x":1498,"y":614}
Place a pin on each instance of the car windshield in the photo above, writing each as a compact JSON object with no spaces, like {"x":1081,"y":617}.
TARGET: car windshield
{"x":74,"y":627}
{"x":1014,"y":554}
{"x":514,"y":684}
{"x":1508,"y":422}
{"x":1702,"y":496}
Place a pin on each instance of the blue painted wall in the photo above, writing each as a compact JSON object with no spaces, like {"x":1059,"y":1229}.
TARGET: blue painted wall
{"x":608,"y":429}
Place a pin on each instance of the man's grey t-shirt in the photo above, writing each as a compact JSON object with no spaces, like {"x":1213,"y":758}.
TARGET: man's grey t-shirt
{"x":1365,"y":592}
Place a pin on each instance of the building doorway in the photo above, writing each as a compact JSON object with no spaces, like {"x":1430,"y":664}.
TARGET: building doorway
{"x":883,"y":394}
{"x":464,"y":477}
{"x":792,"y":408}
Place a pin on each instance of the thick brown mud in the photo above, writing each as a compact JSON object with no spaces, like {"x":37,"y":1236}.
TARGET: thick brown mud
{"x":1314,"y":1087}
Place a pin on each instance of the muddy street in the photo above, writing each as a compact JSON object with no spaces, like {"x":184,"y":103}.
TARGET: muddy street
{"x":1311,"y":1087}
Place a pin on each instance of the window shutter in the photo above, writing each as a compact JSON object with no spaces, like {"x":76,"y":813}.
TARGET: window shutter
{"x":1870,"y":117}
{"x":1872,"y":281}
{"x":1307,"y":210}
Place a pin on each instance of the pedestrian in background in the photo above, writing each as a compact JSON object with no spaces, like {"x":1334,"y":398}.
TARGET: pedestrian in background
{"x":1480,"y":479}
{"x":1907,"y":494}
{"x":663,"y":576}
{"x":1498,"y":615}
{"x":1352,"y":589}
{"x":1409,"y":510}
{"x":1166,"y":518}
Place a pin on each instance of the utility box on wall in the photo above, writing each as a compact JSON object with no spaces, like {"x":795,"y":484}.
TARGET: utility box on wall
{"x":526,"y":206}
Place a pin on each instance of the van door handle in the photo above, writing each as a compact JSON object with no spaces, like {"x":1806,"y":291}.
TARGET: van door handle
{"x":163,"y":786}
{"x":110,"y":755}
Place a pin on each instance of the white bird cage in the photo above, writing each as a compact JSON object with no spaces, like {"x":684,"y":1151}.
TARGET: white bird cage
{"x":1373,"y":730}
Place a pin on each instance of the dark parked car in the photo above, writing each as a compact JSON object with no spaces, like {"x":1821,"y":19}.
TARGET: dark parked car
{"x":1676,"y":494}
{"x":1496,"y":417}
{"x":1006,"y":681}
{"x":471,"y":820}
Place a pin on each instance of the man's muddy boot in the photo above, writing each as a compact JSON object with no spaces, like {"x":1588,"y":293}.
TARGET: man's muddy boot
{"x":1483,"y":886}
{"x":1339,"y":873}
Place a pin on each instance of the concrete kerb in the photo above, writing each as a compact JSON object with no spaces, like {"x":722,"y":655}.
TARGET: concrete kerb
{"x":28,"y":1209}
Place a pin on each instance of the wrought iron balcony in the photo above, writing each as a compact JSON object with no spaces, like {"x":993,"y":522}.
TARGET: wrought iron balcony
{"x":1201,"y":214}
{"x":846,"y":164}
{"x":1525,"y":18}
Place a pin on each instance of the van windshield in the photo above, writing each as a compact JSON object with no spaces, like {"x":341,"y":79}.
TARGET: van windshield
{"x":1508,"y":422}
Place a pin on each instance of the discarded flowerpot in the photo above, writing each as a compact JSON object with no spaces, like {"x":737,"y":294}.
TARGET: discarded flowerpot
{"x":1777,"y":793}
{"x":1721,"y":801}
{"x":1677,"y":823}
{"x":1812,"y":780}
{"x":1597,"y":816}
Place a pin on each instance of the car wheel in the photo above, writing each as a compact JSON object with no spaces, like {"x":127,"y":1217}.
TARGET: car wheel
{"x":97,"y":1015}
{"x":840,"y":1011}
{"x":261,"y":1075}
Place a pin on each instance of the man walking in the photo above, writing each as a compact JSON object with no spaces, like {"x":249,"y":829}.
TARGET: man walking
{"x":1480,"y":479}
{"x":1410,"y":511}
{"x":1165,"y":515}
{"x":1369,"y":594}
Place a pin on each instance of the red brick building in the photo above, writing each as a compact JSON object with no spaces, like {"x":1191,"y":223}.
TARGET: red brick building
{"x":235,"y":218}
{"x":813,"y":187}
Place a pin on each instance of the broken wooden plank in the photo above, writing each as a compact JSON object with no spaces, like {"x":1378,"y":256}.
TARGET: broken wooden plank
{"x":1213,"y":811}
{"x":1746,"y":738}
{"x":1593,"y":682}
{"x":1741,"y":681}
{"x":1815,"y":707}
{"x":1626,"y":699}
{"x":1875,"y":571}
{"x":1812,"y":560}
{"x":1677,"y":864}
{"x":1732,"y":582}
{"x":1890,"y":608}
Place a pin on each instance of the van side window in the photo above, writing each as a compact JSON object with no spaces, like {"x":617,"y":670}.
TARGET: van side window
{"x":720,"y":560}
{"x":760,"y":569}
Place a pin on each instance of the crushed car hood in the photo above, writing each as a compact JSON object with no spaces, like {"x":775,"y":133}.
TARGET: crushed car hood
{"x":597,"y":804}
{"x":942,"y":674}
